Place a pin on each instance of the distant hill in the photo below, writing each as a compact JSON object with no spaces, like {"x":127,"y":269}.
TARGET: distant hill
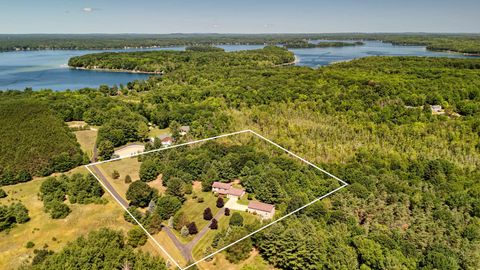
{"x":33,"y":141}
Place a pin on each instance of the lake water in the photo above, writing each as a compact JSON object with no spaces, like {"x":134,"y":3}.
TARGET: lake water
{"x":48,"y":69}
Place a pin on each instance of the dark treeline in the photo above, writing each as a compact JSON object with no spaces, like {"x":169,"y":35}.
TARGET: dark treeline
{"x":464,"y":43}
{"x":102,"y":249}
{"x":33,"y":141}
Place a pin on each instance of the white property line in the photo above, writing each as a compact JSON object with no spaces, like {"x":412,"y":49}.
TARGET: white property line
{"x":141,"y":226}
{"x":344,"y":184}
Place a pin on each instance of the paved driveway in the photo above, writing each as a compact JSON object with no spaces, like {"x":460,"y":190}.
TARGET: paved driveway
{"x":233,"y":204}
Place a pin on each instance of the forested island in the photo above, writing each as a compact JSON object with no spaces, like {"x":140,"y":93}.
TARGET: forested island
{"x":326,"y":44}
{"x":193,"y":57}
{"x":461,"y":43}
{"x":403,"y":131}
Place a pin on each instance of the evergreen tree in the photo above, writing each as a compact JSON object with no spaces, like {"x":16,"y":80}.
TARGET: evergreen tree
{"x":207,"y":214}
{"x":220,"y":202}
{"x":192,"y":228}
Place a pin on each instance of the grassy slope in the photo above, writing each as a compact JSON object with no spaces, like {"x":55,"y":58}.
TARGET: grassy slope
{"x":86,"y":139}
{"x":41,"y":228}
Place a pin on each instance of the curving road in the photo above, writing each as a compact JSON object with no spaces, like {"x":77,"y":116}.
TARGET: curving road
{"x":186,"y":249}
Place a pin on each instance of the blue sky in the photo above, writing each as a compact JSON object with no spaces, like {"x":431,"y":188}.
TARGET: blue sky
{"x":241,"y":16}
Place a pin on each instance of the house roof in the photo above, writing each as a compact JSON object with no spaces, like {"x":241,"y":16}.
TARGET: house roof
{"x":163,"y":136}
{"x":185,"y":128}
{"x":221,"y":185}
{"x":235,"y":191}
{"x":265,"y":207}
{"x":167,"y":139}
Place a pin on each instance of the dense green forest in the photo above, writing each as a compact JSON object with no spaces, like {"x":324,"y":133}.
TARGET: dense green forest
{"x":464,"y":43}
{"x":167,"y":61}
{"x":266,"y":173}
{"x":102,"y":249}
{"x":413,"y":202}
{"x":33,"y":141}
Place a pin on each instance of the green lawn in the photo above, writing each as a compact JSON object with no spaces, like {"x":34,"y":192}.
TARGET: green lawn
{"x":198,"y":250}
{"x":154,"y":132}
{"x":125,"y":166}
{"x":194,"y":210}
{"x":43,"y":230}
{"x":244,"y":200}
{"x":86,"y":139}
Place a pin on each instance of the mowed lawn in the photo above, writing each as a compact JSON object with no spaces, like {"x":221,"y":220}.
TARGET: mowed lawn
{"x":223,"y":223}
{"x":126,"y":166}
{"x":194,"y":210}
{"x":86,"y":139}
{"x":43,"y":230}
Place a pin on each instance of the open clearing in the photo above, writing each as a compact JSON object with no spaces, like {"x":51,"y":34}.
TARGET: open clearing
{"x":43,"y":230}
{"x":86,"y":139}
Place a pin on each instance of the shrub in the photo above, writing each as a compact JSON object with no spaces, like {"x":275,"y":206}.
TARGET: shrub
{"x":115,"y":174}
{"x":220,"y":202}
{"x":184,"y":231}
{"x":30,"y":244}
{"x":236,"y":219}
{"x":192,"y":228}
{"x":207,"y":214}
{"x":214,"y":224}
{"x":128,"y":179}
{"x":227,"y":212}
{"x":58,"y":209}
{"x":3,"y":194}
{"x":136,"y":237}
{"x":200,"y":199}
{"x":134,"y":211}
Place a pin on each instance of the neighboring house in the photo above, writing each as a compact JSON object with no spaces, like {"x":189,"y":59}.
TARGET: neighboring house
{"x":160,"y":137}
{"x":184,"y":130}
{"x":264,"y":210}
{"x":437,"y":109}
{"x":167,"y":141}
{"x":228,"y":190}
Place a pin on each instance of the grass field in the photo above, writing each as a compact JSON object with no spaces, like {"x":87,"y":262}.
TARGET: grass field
{"x":125,"y":166}
{"x":86,"y":139}
{"x":154,"y":132}
{"x":43,"y":230}
{"x":199,"y":249}
{"x":194,"y":210}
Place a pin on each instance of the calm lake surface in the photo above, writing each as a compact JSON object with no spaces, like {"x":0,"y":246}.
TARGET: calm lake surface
{"x":48,"y":69}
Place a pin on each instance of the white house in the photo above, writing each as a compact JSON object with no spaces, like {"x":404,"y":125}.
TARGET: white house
{"x":264,"y":210}
{"x":184,"y":130}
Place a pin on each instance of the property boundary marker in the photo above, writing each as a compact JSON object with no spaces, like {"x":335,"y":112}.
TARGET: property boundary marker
{"x":344,"y":184}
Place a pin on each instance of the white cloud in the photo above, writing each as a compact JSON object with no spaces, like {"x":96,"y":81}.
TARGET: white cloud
{"x":87,"y":9}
